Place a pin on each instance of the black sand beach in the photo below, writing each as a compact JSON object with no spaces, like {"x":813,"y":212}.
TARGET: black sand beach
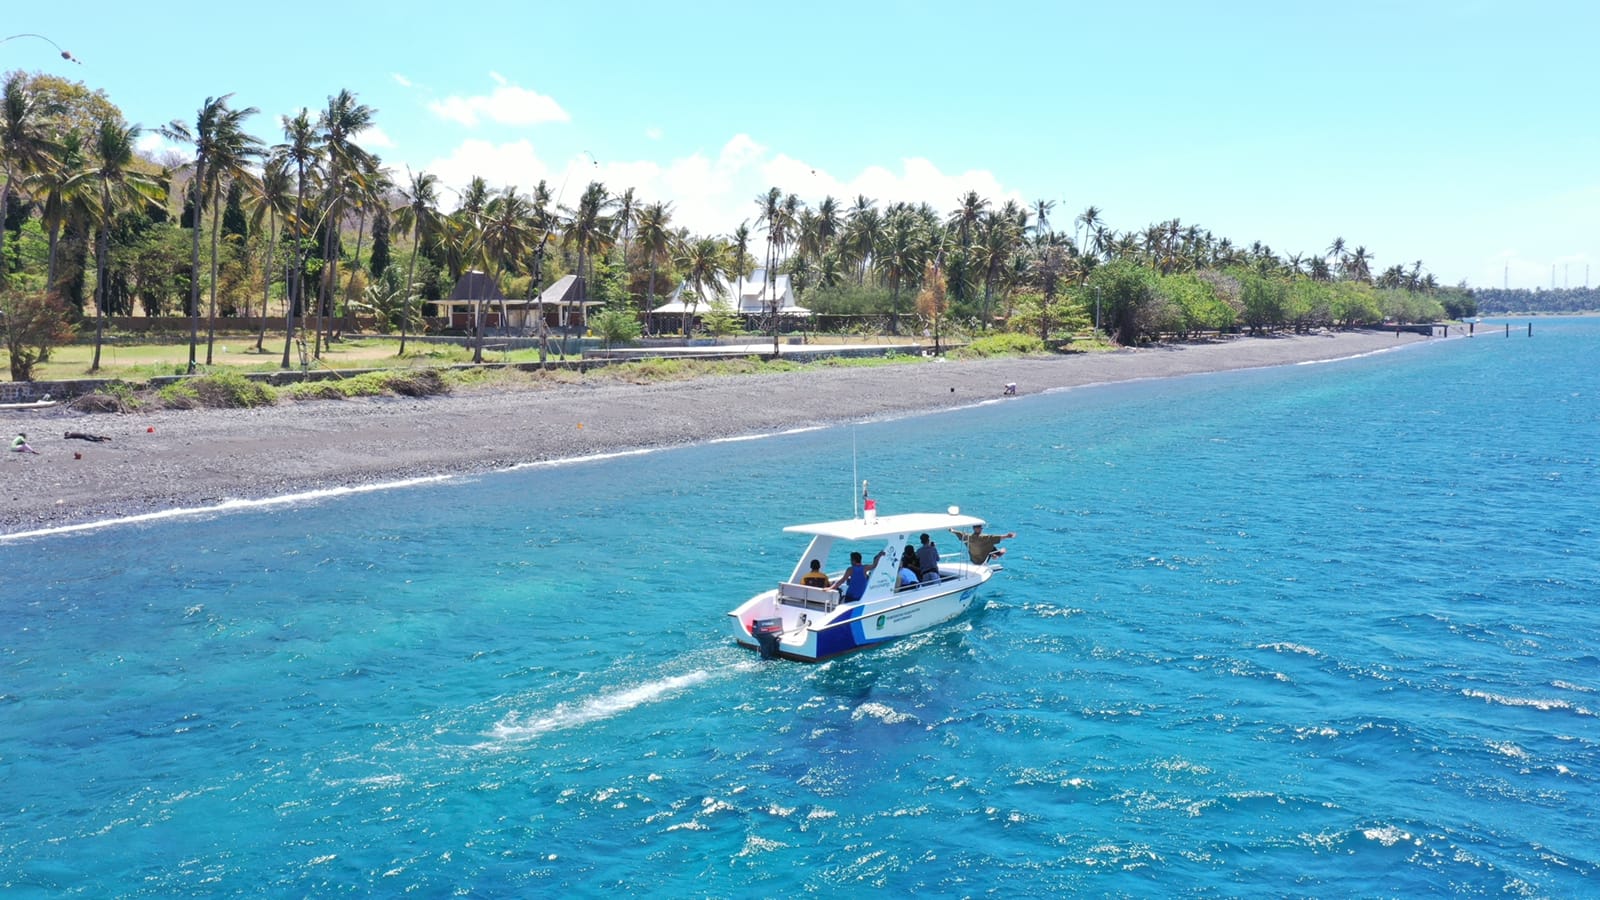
{"x":191,"y":458}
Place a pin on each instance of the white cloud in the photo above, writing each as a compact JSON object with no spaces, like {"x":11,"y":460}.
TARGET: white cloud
{"x":713,"y":195}
{"x":400,"y":79}
{"x":507,"y":104}
{"x":513,"y":163}
{"x":150,"y":143}
{"x":654,"y":133}
{"x":374,"y":137}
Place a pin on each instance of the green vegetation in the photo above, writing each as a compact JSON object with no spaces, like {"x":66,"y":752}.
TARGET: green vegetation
{"x":298,"y":224}
{"x":224,"y":390}
{"x":1520,"y":302}
{"x":418,"y":383}
{"x":31,"y":325}
{"x":1002,"y":345}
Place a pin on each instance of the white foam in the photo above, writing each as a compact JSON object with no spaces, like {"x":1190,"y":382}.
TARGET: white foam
{"x":233,"y":505}
{"x":768,"y":434}
{"x":1539,"y":703}
{"x":1287,"y":647}
{"x":882,"y":712}
{"x":515,"y":728}
{"x":229,"y":506}
{"x":308,"y":496}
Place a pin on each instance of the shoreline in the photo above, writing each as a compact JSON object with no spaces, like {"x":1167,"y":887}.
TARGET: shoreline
{"x":176,"y":462}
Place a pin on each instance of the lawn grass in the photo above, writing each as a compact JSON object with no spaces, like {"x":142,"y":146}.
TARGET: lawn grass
{"x":424,"y":370}
{"x":236,"y":353}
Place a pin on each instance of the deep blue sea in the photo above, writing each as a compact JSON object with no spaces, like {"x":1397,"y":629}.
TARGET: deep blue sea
{"x":1315,"y":630}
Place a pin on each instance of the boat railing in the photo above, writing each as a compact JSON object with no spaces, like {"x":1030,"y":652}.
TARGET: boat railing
{"x":807,"y":597}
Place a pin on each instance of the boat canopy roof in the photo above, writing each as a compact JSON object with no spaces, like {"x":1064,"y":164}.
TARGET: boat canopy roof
{"x":884,"y":526}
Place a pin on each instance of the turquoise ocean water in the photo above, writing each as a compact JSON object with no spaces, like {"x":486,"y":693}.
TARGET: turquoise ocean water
{"x":1316,"y":630}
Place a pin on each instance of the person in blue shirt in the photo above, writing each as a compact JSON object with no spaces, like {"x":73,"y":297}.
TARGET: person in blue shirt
{"x":853,"y":583}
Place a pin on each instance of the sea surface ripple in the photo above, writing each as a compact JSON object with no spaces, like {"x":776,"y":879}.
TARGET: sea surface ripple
{"x":1313,"y":630}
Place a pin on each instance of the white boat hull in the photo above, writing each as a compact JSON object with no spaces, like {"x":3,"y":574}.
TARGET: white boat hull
{"x":809,"y":634}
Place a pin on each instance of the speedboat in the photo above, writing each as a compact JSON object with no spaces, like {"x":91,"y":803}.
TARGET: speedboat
{"x":811,"y":624}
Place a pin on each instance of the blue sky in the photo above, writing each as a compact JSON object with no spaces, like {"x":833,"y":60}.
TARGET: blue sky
{"x":1461,"y":134}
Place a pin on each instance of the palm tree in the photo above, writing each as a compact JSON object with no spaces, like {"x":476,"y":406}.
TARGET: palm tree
{"x":303,"y":147}
{"x":626,"y":220}
{"x":740,"y":247}
{"x":420,"y":216}
{"x":1041,"y":213}
{"x":116,"y":186}
{"x":24,"y":146}
{"x":787,"y":232}
{"x":505,"y":237}
{"x":1090,"y":221}
{"x":703,"y":261}
{"x":964,"y":220}
{"x":366,"y":196}
{"x":902,"y":258}
{"x":829,"y":222}
{"x":1337,"y":254}
{"x":271,"y":201}
{"x":589,"y":232}
{"x":231,"y":152}
{"x":655,"y":237}
{"x":862,"y":231}
{"x":771,"y":206}
{"x":348,"y":165}
{"x":57,"y":203}
{"x":543,"y":222}
{"x":997,"y":242}
{"x":1359,"y":265}
{"x":215,"y":121}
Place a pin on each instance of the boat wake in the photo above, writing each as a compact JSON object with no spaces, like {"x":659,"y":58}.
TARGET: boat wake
{"x":515,"y":728}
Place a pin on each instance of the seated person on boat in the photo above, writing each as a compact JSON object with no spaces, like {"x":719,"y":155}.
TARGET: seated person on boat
{"x":908,"y":577}
{"x":816,"y":577}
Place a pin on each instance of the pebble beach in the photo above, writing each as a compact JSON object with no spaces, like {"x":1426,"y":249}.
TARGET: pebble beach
{"x":187,"y":459}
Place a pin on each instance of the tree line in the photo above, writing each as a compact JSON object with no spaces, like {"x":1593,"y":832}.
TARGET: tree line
{"x":1495,"y":301}
{"x":314,"y":225}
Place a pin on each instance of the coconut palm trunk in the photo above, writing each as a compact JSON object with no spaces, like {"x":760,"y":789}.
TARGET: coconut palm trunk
{"x":266,"y":277}
{"x":405,"y":305}
{"x":194,"y":261}
{"x":211,"y":315}
{"x":102,"y":266}
{"x":297,"y":274}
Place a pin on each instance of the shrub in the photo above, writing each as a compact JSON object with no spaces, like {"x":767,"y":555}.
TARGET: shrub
{"x":419,"y":383}
{"x":318,"y":390}
{"x":1003,"y":345}
{"x":180,"y":395}
{"x":30,"y":324}
{"x":115,"y":396}
{"x":230,"y":390}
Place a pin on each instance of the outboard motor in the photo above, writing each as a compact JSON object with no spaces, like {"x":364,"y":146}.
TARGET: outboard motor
{"x":766,"y":632}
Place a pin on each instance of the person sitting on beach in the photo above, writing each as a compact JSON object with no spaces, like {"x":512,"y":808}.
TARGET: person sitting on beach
{"x":908,"y":576}
{"x":816,"y":577}
{"x":19,"y":444}
{"x":928,"y":559}
{"x":981,"y":547}
{"x":853,"y":583}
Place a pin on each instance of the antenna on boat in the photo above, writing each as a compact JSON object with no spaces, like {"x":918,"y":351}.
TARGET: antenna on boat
{"x":853,"y":472}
